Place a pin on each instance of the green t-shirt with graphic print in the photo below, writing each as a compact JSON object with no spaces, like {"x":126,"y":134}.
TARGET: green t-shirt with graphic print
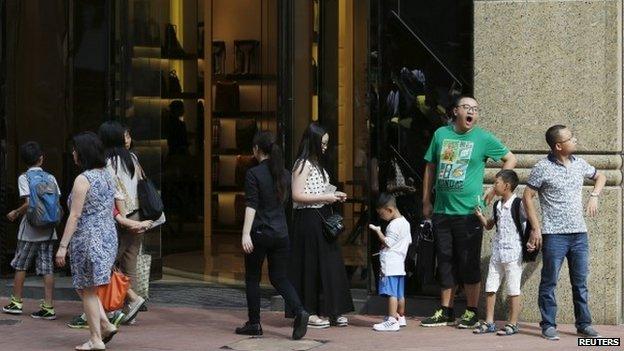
{"x":460,"y":165}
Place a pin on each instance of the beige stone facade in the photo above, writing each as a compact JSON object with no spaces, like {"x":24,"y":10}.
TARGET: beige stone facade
{"x":539,"y":63}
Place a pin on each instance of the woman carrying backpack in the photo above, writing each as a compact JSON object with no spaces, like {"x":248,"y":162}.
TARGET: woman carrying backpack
{"x":265,"y":233}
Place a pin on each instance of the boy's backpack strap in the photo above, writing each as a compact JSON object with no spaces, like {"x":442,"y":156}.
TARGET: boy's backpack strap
{"x":515,"y":214}
{"x":495,"y":212}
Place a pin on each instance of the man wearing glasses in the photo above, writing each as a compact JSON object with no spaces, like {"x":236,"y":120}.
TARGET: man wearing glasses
{"x":558,"y":180}
{"x":455,"y":166}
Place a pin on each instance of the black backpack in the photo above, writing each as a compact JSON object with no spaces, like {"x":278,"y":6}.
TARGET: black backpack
{"x":524,"y":234}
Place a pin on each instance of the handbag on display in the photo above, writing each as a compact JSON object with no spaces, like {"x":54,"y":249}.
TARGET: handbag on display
{"x":113,"y":294}
{"x":216,"y":126}
{"x":246,"y":54}
{"x":172,"y":47}
{"x":246,"y":129}
{"x":333,"y":225}
{"x":200,"y":39}
{"x":243,"y":164}
{"x":218,"y":57}
{"x":173,"y":83}
{"x":227,"y":97}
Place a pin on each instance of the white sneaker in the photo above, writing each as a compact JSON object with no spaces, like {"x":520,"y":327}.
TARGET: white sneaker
{"x":390,"y":325}
{"x":402,"y":321}
{"x":317,"y":323}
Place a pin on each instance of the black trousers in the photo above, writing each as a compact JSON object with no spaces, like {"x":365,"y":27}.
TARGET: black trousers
{"x":276,"y":250}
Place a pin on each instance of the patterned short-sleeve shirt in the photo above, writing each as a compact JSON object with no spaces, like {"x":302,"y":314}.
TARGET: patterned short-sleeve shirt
{"x":560,"y":193}
{"x":315,"y":183}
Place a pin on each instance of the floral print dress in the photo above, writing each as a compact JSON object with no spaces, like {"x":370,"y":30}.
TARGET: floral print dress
{"x":93,"y":246}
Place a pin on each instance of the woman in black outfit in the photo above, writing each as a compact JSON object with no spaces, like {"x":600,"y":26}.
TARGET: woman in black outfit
{"x":317,"y":270}
{"x":265,"y":233}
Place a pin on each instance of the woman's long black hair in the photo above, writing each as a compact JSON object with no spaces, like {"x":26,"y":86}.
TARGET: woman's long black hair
{"x":265,"y":141}
{"x":112,"y":135}
{"x":310,"y":149}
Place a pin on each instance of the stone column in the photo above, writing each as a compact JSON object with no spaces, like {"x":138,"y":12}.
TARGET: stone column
{"x":539,"y":63}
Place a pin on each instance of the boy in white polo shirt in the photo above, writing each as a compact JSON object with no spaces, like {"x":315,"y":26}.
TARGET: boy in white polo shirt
{"x":392,"y":257}
{"x":506,"y":259}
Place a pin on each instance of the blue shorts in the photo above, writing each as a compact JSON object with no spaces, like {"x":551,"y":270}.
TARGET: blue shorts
{"x":393,"y":286}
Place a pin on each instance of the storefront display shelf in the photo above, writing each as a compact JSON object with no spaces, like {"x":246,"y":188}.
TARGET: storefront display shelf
{"x":244,"y":114}
{"x":236,"y":191}
{"x":244,"y":77}
{"x":230,"y":152}
{"x":226,"y":189}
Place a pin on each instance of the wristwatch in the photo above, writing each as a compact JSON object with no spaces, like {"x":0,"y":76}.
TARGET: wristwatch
{"x":594,"y":194}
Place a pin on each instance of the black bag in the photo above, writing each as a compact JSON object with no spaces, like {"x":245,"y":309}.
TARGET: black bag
{"x":173,"y":86}
{"x":333,"y":225}
{"x":172,"y":47}
{"x":524,"y":234}
{"x":150,"y":204}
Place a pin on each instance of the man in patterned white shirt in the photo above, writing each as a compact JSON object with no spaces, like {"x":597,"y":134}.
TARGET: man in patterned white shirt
{"x":506,"y":259}
{"x":558,"y":180}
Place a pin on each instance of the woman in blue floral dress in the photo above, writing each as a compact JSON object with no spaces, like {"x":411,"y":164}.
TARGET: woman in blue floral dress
{"x":91,"y":235}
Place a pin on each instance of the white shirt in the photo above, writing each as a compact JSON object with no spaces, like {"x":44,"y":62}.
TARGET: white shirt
{"x":506,"y":244}
{"x":126,"y":185}
{"x":398,"y":239}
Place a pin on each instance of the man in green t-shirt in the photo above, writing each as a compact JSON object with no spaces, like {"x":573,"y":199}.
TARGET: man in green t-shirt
{"x":455,"y":165}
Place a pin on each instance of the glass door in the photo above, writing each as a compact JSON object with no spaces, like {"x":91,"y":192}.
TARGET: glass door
{"x":159,"y":96}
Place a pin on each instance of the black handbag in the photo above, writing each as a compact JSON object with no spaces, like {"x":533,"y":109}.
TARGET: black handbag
{"x":333,"y":225}
{"x":173,"y":86}
{"x":150,"y":204}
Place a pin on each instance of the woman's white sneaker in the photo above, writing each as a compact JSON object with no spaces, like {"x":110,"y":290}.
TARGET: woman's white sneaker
{"x":391,"y":324}
{"x":317,"y":323}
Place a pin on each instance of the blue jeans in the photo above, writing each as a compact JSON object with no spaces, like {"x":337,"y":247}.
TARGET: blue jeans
{"x":575,"y":248}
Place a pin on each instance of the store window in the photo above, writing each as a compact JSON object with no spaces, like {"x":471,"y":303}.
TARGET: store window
{"x":420,"y":56}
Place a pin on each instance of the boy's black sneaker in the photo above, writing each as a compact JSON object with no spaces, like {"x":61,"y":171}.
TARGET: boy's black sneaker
{"x":250,"y":329}
{"x":14,"y":307}
{"x":439,"y":319}
{"x":45,"y":312}
{"x":468,"y":320}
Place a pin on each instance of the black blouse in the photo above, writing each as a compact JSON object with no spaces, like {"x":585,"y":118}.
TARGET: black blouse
{"x":261,"y":195}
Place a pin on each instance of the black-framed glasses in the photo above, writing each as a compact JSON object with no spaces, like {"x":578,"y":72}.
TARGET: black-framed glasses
{"x":572,"y":138}
{"x":469,"y":108}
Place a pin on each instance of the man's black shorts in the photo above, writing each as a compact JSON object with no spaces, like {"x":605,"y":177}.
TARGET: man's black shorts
{"x":458,"y":247}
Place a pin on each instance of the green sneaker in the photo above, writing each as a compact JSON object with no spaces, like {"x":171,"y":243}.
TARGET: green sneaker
{"x":468,"y":320}
{"x":116,"y":318}
{"x":14,"y":307}
{"x":79,"y":322}
{"x":438,"y":319}
{"x":46,"y":312}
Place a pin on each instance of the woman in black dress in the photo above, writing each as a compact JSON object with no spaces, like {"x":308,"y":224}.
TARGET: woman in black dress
{"x":317,"y":270}
{"x":265,"y":233}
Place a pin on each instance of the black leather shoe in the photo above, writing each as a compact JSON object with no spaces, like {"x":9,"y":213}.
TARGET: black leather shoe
{"x":250,"y":329}
{"x":300,"y":327}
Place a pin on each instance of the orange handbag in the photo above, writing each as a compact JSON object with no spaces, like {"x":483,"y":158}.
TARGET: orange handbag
{"x":113,"y":295}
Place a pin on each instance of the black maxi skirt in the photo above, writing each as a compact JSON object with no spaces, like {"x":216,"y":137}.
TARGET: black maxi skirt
{"x":317,"y":269}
